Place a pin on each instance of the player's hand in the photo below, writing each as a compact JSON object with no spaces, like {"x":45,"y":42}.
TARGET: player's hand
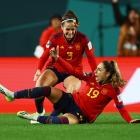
{"x":89,"y":74}
{"x":135,"y":121}
{"x":37,"y":74}
{"x":53,"y":53}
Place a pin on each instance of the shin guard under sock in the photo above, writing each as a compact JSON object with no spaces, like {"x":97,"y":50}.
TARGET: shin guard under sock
{"x":33,"y":93}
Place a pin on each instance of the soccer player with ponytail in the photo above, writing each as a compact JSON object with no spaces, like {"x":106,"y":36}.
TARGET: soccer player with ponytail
{"x":83,"y":106}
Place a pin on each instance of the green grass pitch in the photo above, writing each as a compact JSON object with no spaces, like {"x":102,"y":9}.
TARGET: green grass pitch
{"x":109,"y":126}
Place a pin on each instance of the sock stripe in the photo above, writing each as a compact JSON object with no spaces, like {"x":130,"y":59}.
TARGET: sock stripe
{"x":64,"y":120}
{"x":53,"y":120}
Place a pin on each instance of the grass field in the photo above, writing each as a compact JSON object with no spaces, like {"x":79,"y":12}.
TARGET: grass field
{"x":107,"y":127}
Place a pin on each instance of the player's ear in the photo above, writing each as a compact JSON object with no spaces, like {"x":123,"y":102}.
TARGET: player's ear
{"x":62,"y":25}
{"x":107,"y":74}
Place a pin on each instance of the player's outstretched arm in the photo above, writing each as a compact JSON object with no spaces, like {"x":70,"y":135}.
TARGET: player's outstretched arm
{"x":123,"y":112}
{"x":43,"y":59}
{"x":68,"y":67}
{"x":42,"y":62}
{"x":90,"y":56}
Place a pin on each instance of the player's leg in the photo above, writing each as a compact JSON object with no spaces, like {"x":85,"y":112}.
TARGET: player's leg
{"x":72,"y":118}
{"x":47,"y":78}
{"x":72,"y":84}
{"x":53,"y":94}
{"x":67,"y":118}
{"x":62,"y":101}
{"x":9,"y":95}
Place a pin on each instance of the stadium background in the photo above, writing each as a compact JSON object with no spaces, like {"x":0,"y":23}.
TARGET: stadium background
{"x":21,"y":25}
{"x":23,"y":21}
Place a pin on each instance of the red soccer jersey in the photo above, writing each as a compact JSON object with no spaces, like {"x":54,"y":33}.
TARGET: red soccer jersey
{"x":72,"y":52}
{"x":92,"y":98}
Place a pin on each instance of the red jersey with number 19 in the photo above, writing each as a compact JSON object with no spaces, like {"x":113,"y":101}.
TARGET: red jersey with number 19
{"x":93,"y":99}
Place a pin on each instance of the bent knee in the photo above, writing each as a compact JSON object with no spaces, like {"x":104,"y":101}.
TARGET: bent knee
{"x":47,"y":78}
{"x":72,"y":84}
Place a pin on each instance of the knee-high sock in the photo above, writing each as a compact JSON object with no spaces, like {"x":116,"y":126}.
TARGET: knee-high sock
{"x":53,"y":120}
{"x":33,"y":93}
{"x":39,"y":104}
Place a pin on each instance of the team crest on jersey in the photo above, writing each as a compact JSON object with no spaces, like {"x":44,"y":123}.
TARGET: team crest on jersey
{"x":48,"y":44}
{"x":78,"y":46}
{"x":61,"y":47}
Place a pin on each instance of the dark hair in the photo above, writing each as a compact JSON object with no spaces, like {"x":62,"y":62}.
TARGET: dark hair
{"x":129,"y":11}
{"x":133,"y":9}
{"x":56,"y":16}
{"x":115,"y":77}
{"x":70,"y":15}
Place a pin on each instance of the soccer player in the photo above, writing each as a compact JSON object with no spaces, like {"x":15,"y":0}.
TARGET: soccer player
{"x":79,"y":107}
{"x":71,"y":45}
{"x":54,"y":28}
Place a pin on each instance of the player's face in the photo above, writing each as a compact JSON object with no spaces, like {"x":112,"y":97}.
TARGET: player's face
{"x":100,"y":73}
{"x":56,"y":23}
{"x":69,"y":30}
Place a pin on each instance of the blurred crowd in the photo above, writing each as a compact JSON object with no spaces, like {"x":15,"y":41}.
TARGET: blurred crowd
{"x":129,"y":35}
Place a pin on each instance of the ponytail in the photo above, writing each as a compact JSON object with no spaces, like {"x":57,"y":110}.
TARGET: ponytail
{"x":115,"y":77}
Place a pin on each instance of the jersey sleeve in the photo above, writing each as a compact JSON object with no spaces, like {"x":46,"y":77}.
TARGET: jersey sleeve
{"x":69,"y":68}
{"x":50,"y":44}
{"x":114,"y":94}
{"x":44,"y":38}
{"x":123,"y":112}
{"x":90,"y":53}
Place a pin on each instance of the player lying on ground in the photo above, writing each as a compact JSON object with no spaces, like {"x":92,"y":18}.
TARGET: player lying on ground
{"x":79,"y":107}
